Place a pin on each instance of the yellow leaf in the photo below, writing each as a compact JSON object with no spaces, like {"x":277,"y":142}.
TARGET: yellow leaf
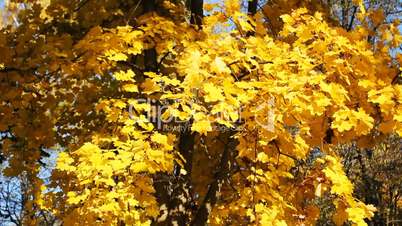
{"x":120,"y":104}
{"x":64,"y":162}
{"x":138,"y":167}
{"x":183,"y":171}
{"x":343,"y":121}
{"x":384,"y":98}
{"x":159,"y":138}
{"x":124,"y":76}
{"x":213,"y":93}
{"x":145,"y":124}
{"x":262,"y":157}
{"x":115,"y":56}
{"x":132,"y":88}
{"x":356,"y":215}
{"x":150,"y":86}
{"x":346,"y":119}
{"x":219,"y":66}
{"x":202,"y":126}
{"x":336,"y":91}
{"x":210,"y":6}
{"x":341,"y":185}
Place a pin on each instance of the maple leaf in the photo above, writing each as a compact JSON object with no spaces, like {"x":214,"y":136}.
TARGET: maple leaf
{"x":115,"y":56}
{"x":260,"y":93}
{"x":213,"y":92}
{"x":202,"y":127}
{"x":124,"y":76}
{"x":132,"y":88}
{"x":219,"y":66}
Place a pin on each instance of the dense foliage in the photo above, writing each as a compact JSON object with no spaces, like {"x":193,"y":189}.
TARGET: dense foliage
{"x":188,"y":113}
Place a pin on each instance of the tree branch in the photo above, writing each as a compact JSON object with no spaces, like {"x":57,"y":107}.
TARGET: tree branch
{"x":210,"y":198}
{"x":352,"y":19}
{"x":197,"y":13}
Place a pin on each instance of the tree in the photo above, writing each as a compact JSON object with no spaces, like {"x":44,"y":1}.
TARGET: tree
{"x":13,"y":204}
{"x":160,"y":116}
{"x":376,"y":173}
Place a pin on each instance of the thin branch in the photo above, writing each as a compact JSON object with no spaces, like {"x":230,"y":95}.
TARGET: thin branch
{"x":281,"y":153}
{"x":80,"y":5}
{"x":352,"y":19}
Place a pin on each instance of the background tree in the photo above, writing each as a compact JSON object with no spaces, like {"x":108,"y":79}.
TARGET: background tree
{"x":376,"y":175}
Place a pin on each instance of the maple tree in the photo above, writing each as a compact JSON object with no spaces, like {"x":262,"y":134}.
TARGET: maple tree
{"x":187,"y":113}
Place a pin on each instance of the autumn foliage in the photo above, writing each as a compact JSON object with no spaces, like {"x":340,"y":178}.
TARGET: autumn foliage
{"x":183,"y":113}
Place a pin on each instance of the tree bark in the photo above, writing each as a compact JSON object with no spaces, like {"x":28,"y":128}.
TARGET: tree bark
{"x":252,"y":7}
{"x":252,"y":10}
{"x":150,"y":56}
{"x":197,"y":13}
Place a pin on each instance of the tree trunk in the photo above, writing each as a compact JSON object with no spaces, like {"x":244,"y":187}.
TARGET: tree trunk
{"x":196,"y":8}
{"x":181,"y":203}
{"x":177,"y":193}
{"x":252,"y":7}
{"x":252,"y":10}
{"x":150,"y":56}
{"x":221,"y":174}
